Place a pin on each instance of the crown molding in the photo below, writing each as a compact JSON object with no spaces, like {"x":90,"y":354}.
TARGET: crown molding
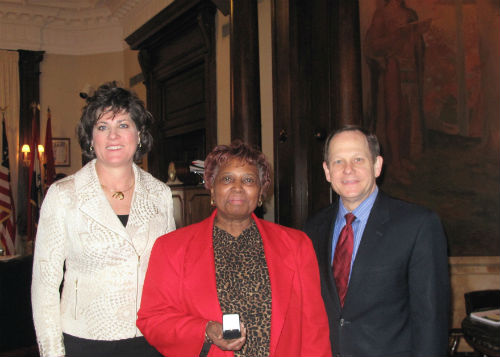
{"x":73,"y":27}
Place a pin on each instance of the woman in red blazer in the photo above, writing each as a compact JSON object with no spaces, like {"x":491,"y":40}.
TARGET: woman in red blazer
{"x":234,"y":262}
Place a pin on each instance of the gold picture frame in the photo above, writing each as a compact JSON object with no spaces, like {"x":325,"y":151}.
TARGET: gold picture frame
{"x":62,"y":151}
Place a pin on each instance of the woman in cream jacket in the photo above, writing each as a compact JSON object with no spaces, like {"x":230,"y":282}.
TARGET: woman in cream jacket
{"x":95,"y":234}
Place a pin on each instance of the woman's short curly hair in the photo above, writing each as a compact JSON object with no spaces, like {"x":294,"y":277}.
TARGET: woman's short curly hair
{"x":222,"y":154}
{"x":110,"y":97}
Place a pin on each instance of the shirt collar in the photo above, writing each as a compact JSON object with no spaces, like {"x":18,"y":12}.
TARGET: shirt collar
{"x":362,"y":212}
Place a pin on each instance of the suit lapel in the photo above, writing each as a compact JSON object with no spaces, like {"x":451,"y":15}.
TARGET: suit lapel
{"x":328,"y":225}
{"x":281,"y":274}
{"x":374,"y":230}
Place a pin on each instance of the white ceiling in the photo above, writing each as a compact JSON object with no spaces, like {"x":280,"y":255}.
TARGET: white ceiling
{"x":73,"y":27}
{"x":74,"y":12}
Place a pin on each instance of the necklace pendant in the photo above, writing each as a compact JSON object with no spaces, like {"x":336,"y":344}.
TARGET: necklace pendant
{"x":118,"y":195}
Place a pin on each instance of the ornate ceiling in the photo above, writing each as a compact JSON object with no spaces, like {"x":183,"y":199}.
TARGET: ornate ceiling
{"x":74,"y":27}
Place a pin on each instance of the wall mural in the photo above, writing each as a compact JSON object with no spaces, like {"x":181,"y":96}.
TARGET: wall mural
{"x":431,"y":92}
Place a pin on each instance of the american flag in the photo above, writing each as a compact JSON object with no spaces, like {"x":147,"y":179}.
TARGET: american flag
{"x":7,"y":212}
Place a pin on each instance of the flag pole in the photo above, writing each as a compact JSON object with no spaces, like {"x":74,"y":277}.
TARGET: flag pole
{"x":32,"y":203}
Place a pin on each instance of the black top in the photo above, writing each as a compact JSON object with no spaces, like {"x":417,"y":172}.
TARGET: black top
{"x":123,"y":218}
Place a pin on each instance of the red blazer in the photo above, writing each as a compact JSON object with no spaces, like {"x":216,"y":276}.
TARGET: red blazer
{"x":180,"y":294}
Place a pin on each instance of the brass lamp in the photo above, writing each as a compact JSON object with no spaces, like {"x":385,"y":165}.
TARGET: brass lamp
{"x":26,"y":150}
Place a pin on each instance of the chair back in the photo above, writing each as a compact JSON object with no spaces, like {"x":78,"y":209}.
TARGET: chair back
{"x":481,"y":300}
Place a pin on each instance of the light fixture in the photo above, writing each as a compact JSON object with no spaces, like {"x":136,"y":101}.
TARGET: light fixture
{"x":40,"y":149}
{"x":26,"y":150}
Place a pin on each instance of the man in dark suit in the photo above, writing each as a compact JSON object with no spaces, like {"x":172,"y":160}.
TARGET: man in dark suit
{"x":394,"y":297}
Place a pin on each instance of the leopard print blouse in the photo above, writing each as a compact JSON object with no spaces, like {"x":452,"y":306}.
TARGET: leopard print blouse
{"x":243,"y":285}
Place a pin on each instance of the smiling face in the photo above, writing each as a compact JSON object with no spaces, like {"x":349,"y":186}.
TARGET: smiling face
{"x":115,"y":139}
{"x":236,"y":190}
{"x":351,"y":170}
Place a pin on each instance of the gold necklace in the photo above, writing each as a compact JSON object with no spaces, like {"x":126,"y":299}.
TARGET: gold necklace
{"x":119,"y":195}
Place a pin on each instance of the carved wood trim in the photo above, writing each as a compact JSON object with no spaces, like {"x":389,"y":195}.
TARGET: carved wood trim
{"x":177,"y":50}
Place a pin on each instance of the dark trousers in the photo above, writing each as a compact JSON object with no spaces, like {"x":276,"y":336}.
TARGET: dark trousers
{"x":130,"y":347}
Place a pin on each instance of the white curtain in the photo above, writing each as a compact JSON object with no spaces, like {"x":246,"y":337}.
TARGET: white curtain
{"x":9,"y":98}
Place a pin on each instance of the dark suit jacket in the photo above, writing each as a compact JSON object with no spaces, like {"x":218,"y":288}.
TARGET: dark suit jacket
{"x":397,"y":303}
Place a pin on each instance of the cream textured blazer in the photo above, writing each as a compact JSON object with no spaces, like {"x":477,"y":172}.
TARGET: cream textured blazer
{"x":105,"y":261}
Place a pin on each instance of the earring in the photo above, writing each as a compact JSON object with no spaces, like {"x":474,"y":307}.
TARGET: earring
{"x":140,"y":144}
{"x":212,"y":201}
{"x":260,"y":202}
{"x":91,"y":148}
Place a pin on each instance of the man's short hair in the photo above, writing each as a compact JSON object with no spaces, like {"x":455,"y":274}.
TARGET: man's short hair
{"x":371,"y":138}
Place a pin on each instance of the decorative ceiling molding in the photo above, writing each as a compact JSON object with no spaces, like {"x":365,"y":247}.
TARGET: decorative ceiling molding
{"x":73,"y":27}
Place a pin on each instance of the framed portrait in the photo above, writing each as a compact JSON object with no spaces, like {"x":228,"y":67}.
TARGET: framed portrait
{"x":62,"y":152}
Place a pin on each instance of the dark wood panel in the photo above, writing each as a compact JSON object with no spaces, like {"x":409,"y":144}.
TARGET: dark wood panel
{"x":165,"y":70}
{"x":177,"y":49}
{"x":191,"y":204}
{"x":186,"y":129}
{"x":182,"y":147}
{"x":185,"y":118}
{"x":316,"y":88}
{"x":199,"y":206}
{"x":185,"y":90}
{"x":292,"y":100}
{"x":323,"y":94}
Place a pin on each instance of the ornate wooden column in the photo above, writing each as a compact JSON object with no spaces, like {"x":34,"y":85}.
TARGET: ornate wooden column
{"x":29,"y":84}
{"x":348,"y":104}
{"x":245,"y":80}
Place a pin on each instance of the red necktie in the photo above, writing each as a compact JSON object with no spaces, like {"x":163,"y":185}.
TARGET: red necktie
{"x":342,"y":259}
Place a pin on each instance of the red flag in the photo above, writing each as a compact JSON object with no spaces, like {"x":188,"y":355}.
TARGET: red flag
{"x":34,"y":186}
{"x":50,"y":171}
{"x":7,"y":211}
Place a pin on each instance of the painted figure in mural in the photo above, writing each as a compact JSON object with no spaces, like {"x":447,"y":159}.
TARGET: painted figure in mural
{"x":394,"y":51}
{"x":383,"y":262}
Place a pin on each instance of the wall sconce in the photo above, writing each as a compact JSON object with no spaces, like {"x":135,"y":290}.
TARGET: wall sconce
{"x":41,"y":158}
{"x":26,"y":153}
{"x":26,"y":150}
